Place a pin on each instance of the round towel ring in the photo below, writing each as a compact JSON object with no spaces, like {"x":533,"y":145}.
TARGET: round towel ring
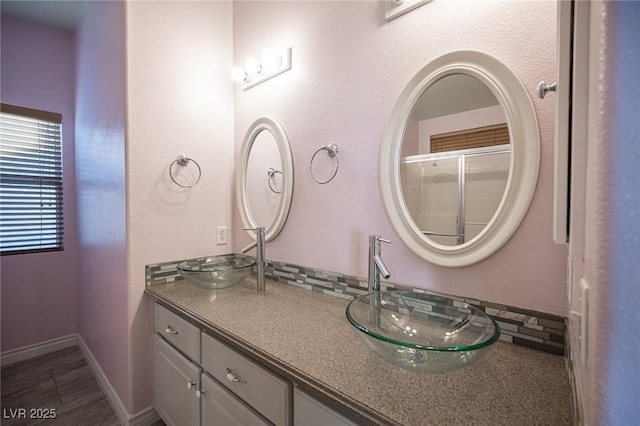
{"x":332,"y":151}
{"x":183,"y":161}
{"x":270,"y":172}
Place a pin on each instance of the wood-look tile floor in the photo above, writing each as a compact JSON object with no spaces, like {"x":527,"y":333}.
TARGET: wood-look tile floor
{"x":60,"y":381}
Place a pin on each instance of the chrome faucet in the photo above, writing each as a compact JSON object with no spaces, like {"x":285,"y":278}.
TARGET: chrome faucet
{"x":376,"y":268}
{"x":259,"y":244}
{"x":376,"y":265}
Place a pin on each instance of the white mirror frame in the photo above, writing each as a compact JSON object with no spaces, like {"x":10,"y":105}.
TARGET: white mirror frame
{"x":286,"y":159}
{"x":523,"y":170}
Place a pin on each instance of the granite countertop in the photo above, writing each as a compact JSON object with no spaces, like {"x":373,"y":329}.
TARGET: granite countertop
{"x":304,"y":336}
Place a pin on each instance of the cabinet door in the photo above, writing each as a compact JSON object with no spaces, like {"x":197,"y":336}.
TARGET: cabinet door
{"x":309,"y":412}
{"x":219,"y":407}
{"x":175,"y":381}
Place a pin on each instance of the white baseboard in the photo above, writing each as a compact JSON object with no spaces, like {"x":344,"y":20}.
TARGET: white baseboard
{"x":105,"y":385}
{"x":31,"y":351}
{"x":143,"y":417}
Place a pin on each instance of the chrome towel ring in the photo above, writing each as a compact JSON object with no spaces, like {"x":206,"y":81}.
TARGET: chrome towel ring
{"x":183,"y":161}
{"x":270,"y":173}
{"x":332,"y":152}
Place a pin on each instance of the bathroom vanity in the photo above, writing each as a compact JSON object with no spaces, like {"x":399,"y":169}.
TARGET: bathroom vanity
{"x":189,"y":366}
{"x":288,"y":356}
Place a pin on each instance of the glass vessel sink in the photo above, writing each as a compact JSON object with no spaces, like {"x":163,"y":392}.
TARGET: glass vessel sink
{"x":422,"y":332}
{"x":217,"y":272}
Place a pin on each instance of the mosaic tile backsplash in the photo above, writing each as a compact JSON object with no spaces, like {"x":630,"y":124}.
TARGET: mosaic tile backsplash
{"x":522,"y":327}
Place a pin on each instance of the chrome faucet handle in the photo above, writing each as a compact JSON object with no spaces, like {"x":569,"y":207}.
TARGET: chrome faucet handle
{"x":257,"y":229}
{"x":378,"y":238}
{"x":259,"y":233}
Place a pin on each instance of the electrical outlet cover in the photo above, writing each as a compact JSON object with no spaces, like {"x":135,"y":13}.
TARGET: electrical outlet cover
{"x":221,"y":235}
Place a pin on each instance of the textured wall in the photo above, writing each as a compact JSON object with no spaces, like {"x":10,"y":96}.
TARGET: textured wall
{"x":624,"y":218}
{"x":180,"y":101}
{"x":39,"y":303}
{"x":349,"y":66}
{"x":100,"y":160}
{"x":609,"y":380}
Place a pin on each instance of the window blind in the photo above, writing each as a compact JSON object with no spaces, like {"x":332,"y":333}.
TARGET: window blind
{"x":472,"y":138}
{"x":31,"y":217}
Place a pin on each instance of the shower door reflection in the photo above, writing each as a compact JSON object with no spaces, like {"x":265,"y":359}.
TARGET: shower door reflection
{"x":452,"y":196}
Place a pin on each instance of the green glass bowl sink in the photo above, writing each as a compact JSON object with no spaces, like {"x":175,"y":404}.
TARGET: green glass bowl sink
{"x":217,"y":272}
{"x":422,"y":332}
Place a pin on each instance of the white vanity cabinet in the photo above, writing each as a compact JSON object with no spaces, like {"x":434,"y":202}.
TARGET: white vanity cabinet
{"x":176,"y":380}
{"x":200,"y":381}
{"x":308,"y":411}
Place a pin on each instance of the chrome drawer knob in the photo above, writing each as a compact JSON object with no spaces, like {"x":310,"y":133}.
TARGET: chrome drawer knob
{"x":170,"y":330}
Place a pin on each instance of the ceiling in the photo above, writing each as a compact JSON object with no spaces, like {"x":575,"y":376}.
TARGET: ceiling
{"x":60,"y":14}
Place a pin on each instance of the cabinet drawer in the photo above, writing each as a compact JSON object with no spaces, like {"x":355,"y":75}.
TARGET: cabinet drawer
{"x":264,"y":391}
{"x":220,"y":407}
{"x":181,"y":334}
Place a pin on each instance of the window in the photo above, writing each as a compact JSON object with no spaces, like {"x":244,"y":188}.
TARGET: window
{"x":30,"y":180}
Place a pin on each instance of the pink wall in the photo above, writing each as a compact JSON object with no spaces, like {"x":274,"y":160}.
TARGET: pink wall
{"x":180,"y":101}
{"x":349,"y":67}
{"x":39,"y":290}
{"x":101,"y":189}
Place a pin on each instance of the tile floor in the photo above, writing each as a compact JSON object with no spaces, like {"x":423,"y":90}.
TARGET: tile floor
{"x":59,"y":382}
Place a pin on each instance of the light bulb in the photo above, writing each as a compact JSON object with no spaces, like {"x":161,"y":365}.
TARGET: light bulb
{"x":271,"y":59}
{"x":239,"y":74}
{"x":252,"y":66}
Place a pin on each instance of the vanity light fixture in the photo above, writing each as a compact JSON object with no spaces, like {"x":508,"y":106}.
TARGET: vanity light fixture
{"x":252,"y":67}
{"x":273,"y":62}
{"x":239,"y":74}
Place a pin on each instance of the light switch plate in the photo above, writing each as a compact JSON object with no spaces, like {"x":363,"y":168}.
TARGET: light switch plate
{"x":570,"y":279}
{"x":584,"y":314}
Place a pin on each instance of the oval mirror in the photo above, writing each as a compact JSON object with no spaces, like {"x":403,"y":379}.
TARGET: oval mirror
{"x":459,"y":159}
{"x":264,"y":177}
